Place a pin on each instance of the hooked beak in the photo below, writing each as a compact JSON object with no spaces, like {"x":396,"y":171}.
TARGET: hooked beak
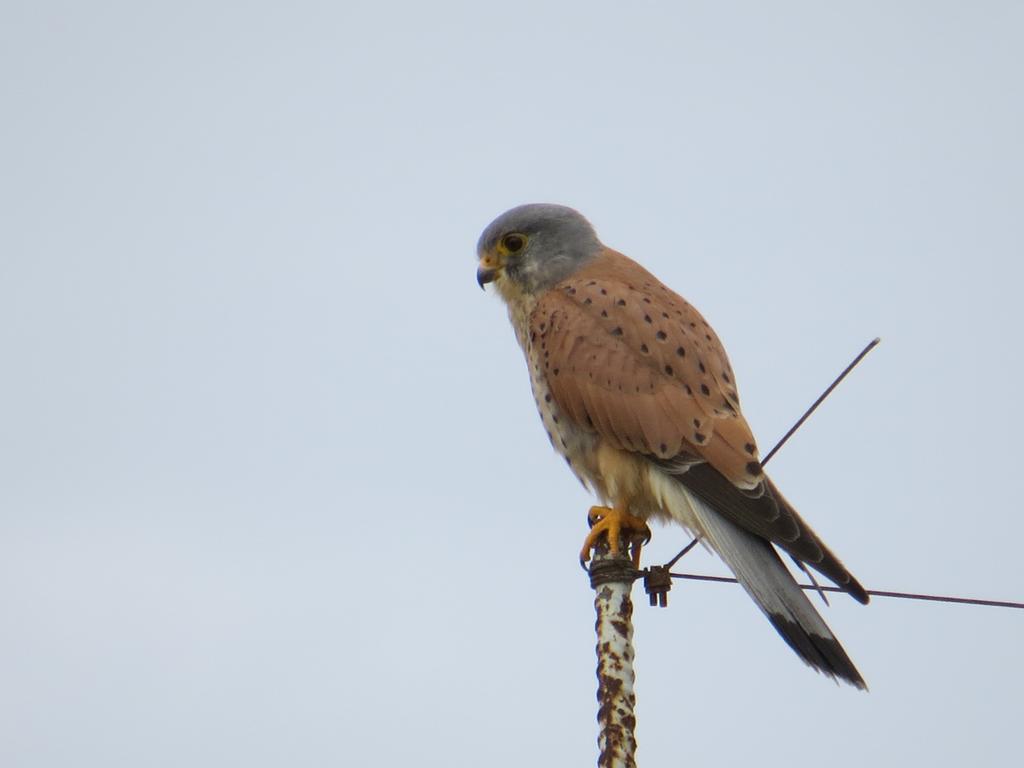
{"x":490,"y":266}
{"x":485,"y":275}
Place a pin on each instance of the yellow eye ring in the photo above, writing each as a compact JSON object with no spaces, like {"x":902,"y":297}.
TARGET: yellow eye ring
{"x":513,"y":242}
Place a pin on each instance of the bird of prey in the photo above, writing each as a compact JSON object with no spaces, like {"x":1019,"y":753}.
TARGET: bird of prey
{"x":636,"y":392}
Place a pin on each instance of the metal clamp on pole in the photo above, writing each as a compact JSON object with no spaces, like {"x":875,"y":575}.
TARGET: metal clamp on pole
{"x":657,"y":583}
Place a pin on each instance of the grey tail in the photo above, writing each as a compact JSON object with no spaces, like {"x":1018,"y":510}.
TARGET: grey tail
{"x":761,"y":572}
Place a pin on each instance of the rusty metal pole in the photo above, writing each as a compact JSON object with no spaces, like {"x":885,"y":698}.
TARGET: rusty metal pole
{"x":612,"y":579}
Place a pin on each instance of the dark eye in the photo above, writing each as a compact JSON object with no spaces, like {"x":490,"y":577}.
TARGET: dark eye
{"x":513,"y":242}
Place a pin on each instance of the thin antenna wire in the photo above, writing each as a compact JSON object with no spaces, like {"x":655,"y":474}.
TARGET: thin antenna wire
{"x":863,"y":353}
{"x":682,"y":552}
{"x":820,"y":400}
{"x":872,"y":592}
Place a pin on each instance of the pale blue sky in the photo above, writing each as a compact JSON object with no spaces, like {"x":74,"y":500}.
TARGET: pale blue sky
{"x":272,"y":487}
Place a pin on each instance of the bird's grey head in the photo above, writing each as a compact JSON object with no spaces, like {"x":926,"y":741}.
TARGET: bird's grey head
{"x":535,"y":246}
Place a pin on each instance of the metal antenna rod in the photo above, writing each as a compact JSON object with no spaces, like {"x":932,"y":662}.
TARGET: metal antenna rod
{"x":872,"y":592}
{"x":820,"y":400}
{"x":612,"y":577}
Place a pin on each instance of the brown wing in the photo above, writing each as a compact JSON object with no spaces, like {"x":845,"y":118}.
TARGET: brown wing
{"x":632,"y":360}
{"x":630,"y":357}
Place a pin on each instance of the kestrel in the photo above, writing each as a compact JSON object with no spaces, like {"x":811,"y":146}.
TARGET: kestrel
{"x":636,"y":392}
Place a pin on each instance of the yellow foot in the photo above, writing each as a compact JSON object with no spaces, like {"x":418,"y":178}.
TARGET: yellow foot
{"x":617,"y":526}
